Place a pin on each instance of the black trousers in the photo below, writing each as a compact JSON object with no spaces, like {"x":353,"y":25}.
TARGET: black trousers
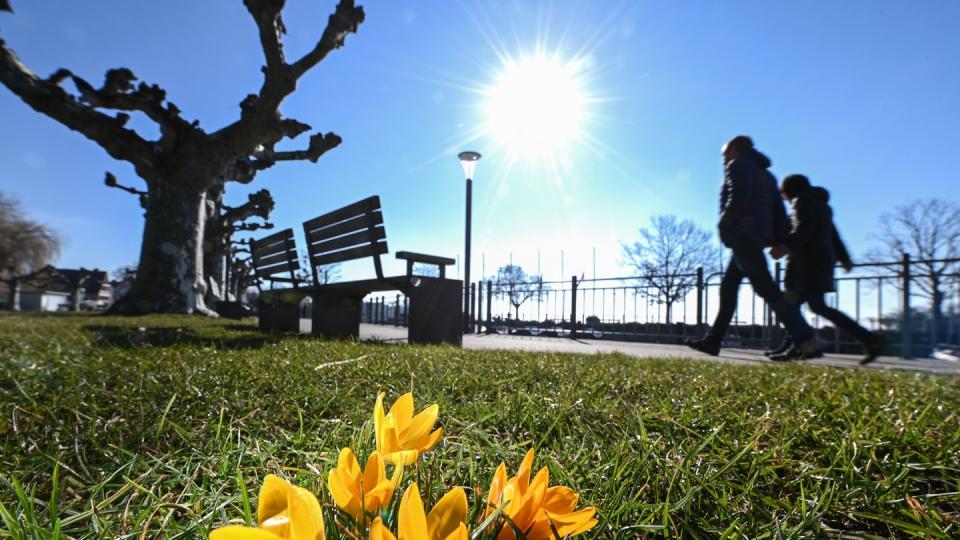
{"x":749,"y":261}
{"x":817,"y":304}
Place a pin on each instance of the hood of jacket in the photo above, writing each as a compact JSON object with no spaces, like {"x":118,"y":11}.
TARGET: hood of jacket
{"x":819,"y":193}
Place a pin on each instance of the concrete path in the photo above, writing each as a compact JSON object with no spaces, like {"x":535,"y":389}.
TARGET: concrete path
{"x":646,"y":350}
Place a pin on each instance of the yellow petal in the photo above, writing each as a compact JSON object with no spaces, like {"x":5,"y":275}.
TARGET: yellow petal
{"x":526,"y":515}
{"x":497,"y":484}
{"x":574,"y":522}
{"x":306,"y":517}
{"x":379,"y":531}
{"x":560,"y":500}
{"x":523,"y":473}
{"x":426,"y":443}
{"x":412,"y":520}
{"x":421,"y":424}
{"x":344,"y":492}
{"x":348,"y":461}
{"x":238,"y":532}
{"x":449,"y":512}
{"x":402,"y":457}
{"x":390,"y":436}
{"x":460,"y":534}
{"x":273,"y":497}
{"x":378,"y":420}
{"x":378,"y":497}
{"x":402,"y":410}
{"x":374,"y":472}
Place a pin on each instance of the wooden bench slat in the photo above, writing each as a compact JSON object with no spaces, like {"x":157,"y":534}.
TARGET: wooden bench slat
{"x":349,"y":211}
{"x":423,"y":258}
{"x":344,"y":227}
{"x":363,"y":286}
{"x":271,"y":249}
{"x":275,"y":258}
{"x":350,"y":240}
{"x":285,"y":266}
{"x":273,"y":238}
{"x":349,"y":254}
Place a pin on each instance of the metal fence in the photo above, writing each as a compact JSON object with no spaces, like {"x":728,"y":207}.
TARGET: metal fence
{"x":890,"y":298}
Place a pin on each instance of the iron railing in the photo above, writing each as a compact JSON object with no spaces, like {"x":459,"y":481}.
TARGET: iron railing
{"x":885,"y":297}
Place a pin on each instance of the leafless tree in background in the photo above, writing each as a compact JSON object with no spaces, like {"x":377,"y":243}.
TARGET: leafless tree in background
{"x":929,"y":231}
{"x":26,"y":249}
{"x":668,"y":255}
{"x":514,"y":284}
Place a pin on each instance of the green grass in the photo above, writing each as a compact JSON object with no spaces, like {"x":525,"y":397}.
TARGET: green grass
{"x":108,"y":431}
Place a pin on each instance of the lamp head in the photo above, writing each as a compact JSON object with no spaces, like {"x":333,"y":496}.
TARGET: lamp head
{"x":469,"y":162}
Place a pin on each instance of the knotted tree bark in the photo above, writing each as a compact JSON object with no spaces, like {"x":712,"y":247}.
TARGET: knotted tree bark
{"x":186,"y":163}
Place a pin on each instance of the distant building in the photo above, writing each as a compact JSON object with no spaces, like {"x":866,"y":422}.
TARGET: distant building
{"x":56,"y":293}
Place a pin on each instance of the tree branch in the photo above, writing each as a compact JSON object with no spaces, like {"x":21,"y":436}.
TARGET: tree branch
{"x":266,"y":13}
{"x":259,"y":123}
{"x":111,"y":181}
{"x":46,"y":96}
{"x":120,"y":93}
{"x":345,"y":20}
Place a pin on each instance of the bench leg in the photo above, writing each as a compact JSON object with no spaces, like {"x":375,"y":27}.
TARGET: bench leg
{"x":336,"y":317}
{"x":435,"y":312}
{"x":278,"y":316}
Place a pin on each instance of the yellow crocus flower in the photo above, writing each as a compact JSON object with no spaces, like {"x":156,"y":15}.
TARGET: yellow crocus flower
{"x":355,"y":490}
{"x":401,"y":436}
{"x":284,"y":511}
{"x":533,"y":506}
{"x":445,"y":522}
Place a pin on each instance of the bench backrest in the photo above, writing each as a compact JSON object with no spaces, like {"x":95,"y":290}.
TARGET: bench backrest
{"x":352,"y":232}
{"x":275,"y":254}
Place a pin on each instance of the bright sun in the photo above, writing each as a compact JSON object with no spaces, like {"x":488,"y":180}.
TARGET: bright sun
{"x":535,"y":107}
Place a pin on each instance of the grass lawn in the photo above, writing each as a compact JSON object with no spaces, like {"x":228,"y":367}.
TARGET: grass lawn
{"x":108,"y":431}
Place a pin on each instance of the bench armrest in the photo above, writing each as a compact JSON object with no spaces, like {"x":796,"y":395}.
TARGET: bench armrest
{"x":411,"y":258}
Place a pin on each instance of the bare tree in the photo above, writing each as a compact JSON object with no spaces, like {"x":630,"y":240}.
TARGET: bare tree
{"x":928,"y":230}
{"x":667,"y":257}
{"x":186,"y":169}
{"x":26,"y":250}
{"x":222,"y":223}
{"x":326,"y":273}
{"x":514,"y":284}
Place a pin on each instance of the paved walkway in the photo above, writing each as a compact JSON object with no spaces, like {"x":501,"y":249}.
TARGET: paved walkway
{"x":647,"y":350}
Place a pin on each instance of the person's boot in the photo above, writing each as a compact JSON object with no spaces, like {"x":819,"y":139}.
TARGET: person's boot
{"x":705,"y":345}
{"x":873,"y":349}
{"x":782,"y":348}
{"x":807,"y":350}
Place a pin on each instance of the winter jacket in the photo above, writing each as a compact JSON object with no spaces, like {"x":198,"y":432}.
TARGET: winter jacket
{"x":750,"y":206}
{"x":813,"y":243}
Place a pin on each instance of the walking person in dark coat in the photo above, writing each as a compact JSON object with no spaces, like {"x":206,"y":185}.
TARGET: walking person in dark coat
{"x":751,"y":219}
{"x":814,"y":247}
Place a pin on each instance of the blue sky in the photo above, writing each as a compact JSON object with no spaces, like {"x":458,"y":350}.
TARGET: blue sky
{"x":862,"y":96}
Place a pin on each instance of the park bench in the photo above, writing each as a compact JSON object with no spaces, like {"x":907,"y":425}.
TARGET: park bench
{"x":275,"y":260}
{"x":354,"y":232}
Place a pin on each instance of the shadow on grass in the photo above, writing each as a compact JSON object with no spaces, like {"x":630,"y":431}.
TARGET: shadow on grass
{"x":239,"y":337}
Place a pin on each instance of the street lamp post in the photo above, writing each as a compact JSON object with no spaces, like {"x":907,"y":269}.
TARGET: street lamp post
{"x":469,"y":162}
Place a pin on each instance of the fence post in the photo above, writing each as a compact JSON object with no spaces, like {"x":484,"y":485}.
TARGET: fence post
{"x":406,"y":310}
{"x":473,"y":308}
{"x":479,"y":306}
{"x":905,"y":328}
{"x":699,"y":302}
{"x":489,"y":307}
{"x":396,"y":311}
{"x":573,"y":307}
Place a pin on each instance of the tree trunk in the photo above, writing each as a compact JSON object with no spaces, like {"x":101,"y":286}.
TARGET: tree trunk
{"x":669,"y":311}
{"x":75,"y":296}
{"x":170,"y":275}
{"x":13,"y":294}
{"x":215,"y":250}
